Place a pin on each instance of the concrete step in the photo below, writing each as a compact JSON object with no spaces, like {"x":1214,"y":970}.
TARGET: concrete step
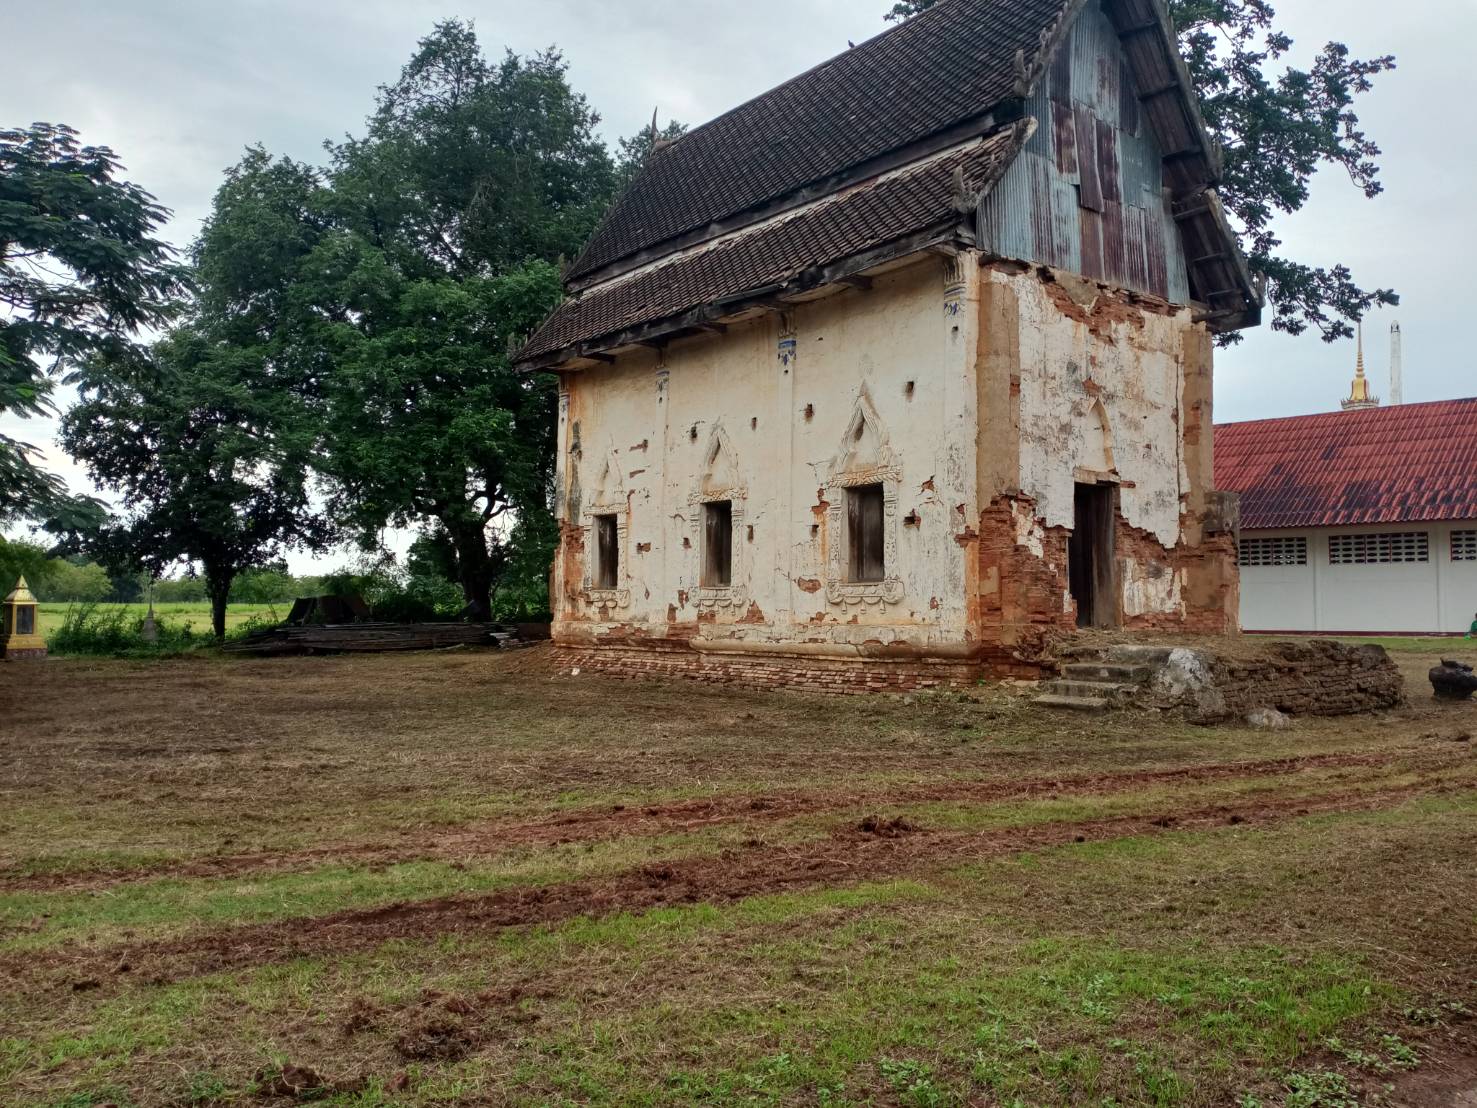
{"x":1107,"y":690}
{"x":1139,"y":655}
{"x":1073,"y":703}
{"x":1124,"y":673}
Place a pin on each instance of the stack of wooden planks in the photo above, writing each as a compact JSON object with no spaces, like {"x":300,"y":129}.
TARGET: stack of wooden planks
{"x":371,"y":637}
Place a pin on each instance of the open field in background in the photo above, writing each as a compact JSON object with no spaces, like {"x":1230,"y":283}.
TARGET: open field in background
{"x":1435,"y":647}
{"x":196,"y":613}
{"x":457,"y":878}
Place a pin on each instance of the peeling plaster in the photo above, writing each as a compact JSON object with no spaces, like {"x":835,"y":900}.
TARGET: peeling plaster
{"x":1121,"y":419}
{"x":1098,"y":383}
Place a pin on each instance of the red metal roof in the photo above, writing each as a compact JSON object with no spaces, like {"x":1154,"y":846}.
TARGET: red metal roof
{"x":1380,"y":465}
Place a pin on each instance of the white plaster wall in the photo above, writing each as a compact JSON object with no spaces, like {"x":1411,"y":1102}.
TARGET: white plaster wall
{"x":1438,"y":596}
{"x":847,"y":346}
{"x":1105,"y":404}
{"x":1280,"y":598}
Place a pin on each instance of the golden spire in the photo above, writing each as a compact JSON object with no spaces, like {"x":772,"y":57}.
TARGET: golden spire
{"x":1359,"y":394}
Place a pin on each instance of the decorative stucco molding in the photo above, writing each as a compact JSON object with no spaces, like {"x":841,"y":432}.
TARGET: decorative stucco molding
{"x":955,"y":284}
{"x":786,"y":347}
{"x":719,"y":481}
{"x":864,"y":458}
{"x":609,"y":498}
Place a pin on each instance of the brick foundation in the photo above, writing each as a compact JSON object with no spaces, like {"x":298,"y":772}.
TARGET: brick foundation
{"x":809,"y":674}
{"x":1317,"y":678}
{"x":1314,"y":678}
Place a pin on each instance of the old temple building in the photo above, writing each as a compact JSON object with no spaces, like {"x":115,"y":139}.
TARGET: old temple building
{"x":898,"y":371}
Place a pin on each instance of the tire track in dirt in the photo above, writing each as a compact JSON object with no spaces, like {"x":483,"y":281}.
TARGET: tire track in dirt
{"x":615,"y":821}
{"x":847,"y":858}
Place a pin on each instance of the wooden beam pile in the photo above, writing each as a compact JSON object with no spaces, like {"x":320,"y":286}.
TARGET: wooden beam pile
{"x":374,"y":637}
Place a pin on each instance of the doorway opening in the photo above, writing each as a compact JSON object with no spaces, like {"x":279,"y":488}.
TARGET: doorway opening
{"x":1091,"y":565}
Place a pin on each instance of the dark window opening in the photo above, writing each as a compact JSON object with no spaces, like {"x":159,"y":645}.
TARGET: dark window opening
{"x":864,"y":533}
{"x":607,"y":552}
{"x":718,"y":543}
{"x":25,"y":619}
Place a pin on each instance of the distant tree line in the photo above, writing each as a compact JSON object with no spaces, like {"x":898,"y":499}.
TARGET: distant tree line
{"x":333,"y":352}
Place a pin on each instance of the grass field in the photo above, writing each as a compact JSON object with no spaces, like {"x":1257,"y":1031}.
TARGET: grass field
{"x":459,"y":879}
{"x":196,"y":613}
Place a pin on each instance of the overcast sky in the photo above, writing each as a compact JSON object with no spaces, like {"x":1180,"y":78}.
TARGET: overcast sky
{"x":179,"y":87}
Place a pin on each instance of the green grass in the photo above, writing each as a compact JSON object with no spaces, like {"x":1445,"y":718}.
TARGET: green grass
{"x":171,"y":905}
{"x":194,"y":613}
{"x":1039,"y":979}
{"x":1413,"y":644}
{"x":1283,"y":959}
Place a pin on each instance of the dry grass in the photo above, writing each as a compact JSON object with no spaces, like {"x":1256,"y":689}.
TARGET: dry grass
{"x":556,"y":890}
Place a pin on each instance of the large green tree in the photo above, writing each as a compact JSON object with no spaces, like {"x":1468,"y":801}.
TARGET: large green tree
{"x":209,"y":458}
{"x":474,"y":178}
{"x":1277,"y":125}
{"x":388,"y":289}
{"x":81,"y":273}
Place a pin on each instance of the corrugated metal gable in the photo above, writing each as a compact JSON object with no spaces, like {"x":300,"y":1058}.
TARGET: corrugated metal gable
{"x":1092,"y":174}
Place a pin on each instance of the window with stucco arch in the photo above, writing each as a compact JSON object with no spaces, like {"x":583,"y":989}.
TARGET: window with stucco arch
{"x":606,"y":555}
{"x":862,"y":497}
{"x":718,"y":502}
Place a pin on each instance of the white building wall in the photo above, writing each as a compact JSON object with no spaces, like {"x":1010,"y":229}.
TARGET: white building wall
{"x":1437,"y":596}
{"x":861,"y":387}
{"x":638,"y":437}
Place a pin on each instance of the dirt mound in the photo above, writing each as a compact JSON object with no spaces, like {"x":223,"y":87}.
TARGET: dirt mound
{"x":301,"y":1083}
{"x":887,"y":828}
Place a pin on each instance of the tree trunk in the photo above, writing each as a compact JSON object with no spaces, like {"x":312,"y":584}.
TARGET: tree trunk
{"x":475,"y":570}
{"x":218,"y":586}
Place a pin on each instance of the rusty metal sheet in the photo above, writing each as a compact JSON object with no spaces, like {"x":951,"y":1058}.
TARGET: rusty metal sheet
{"x":1039,"y":207}
{"x":1108,"y":71}
{"x":1092,"y":244}
{"x":1156,"y":275}
{"x":1091,"y":195}
{"x":1059,"y":78}
{"x":1038,"y":210}
{"x":1135,"y":257}
{"x":1107,"y":161}
{"x":1115,"y":243}
{"x":1064,"y":138}
{"x":1128,"y":101}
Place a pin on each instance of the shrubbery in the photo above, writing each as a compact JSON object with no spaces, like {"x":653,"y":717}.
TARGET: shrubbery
{"x":117,"y":632}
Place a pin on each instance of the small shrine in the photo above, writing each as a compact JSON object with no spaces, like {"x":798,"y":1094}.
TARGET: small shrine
{"x":20,"y":629}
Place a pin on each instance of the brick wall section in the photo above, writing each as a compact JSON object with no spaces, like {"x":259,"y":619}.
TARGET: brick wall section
{"x":1021,"y":610}
{"x":825,"y":675}
{"x":1318,"y":678}
{"x":1315,"y":678}
{"x":1210,"y":594}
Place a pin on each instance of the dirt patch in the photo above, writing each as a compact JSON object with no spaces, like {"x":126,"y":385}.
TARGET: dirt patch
{"x":301,"y":1083}
{"x":613,"y":821}
{"x":887,"y":828}
{"x":723,"y":879}
{"x":1446,"y":1078}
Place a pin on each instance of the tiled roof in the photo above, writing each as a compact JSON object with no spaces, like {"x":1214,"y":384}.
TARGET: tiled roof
{"x":777,"y":252}
{"x":946,"y":66}
{"x":1407,"y":463}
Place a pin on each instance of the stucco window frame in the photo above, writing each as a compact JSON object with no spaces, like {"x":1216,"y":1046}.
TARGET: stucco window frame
{"x":735,"y":594}
{"x":608,"y":505}
{"x":885,"y":471}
